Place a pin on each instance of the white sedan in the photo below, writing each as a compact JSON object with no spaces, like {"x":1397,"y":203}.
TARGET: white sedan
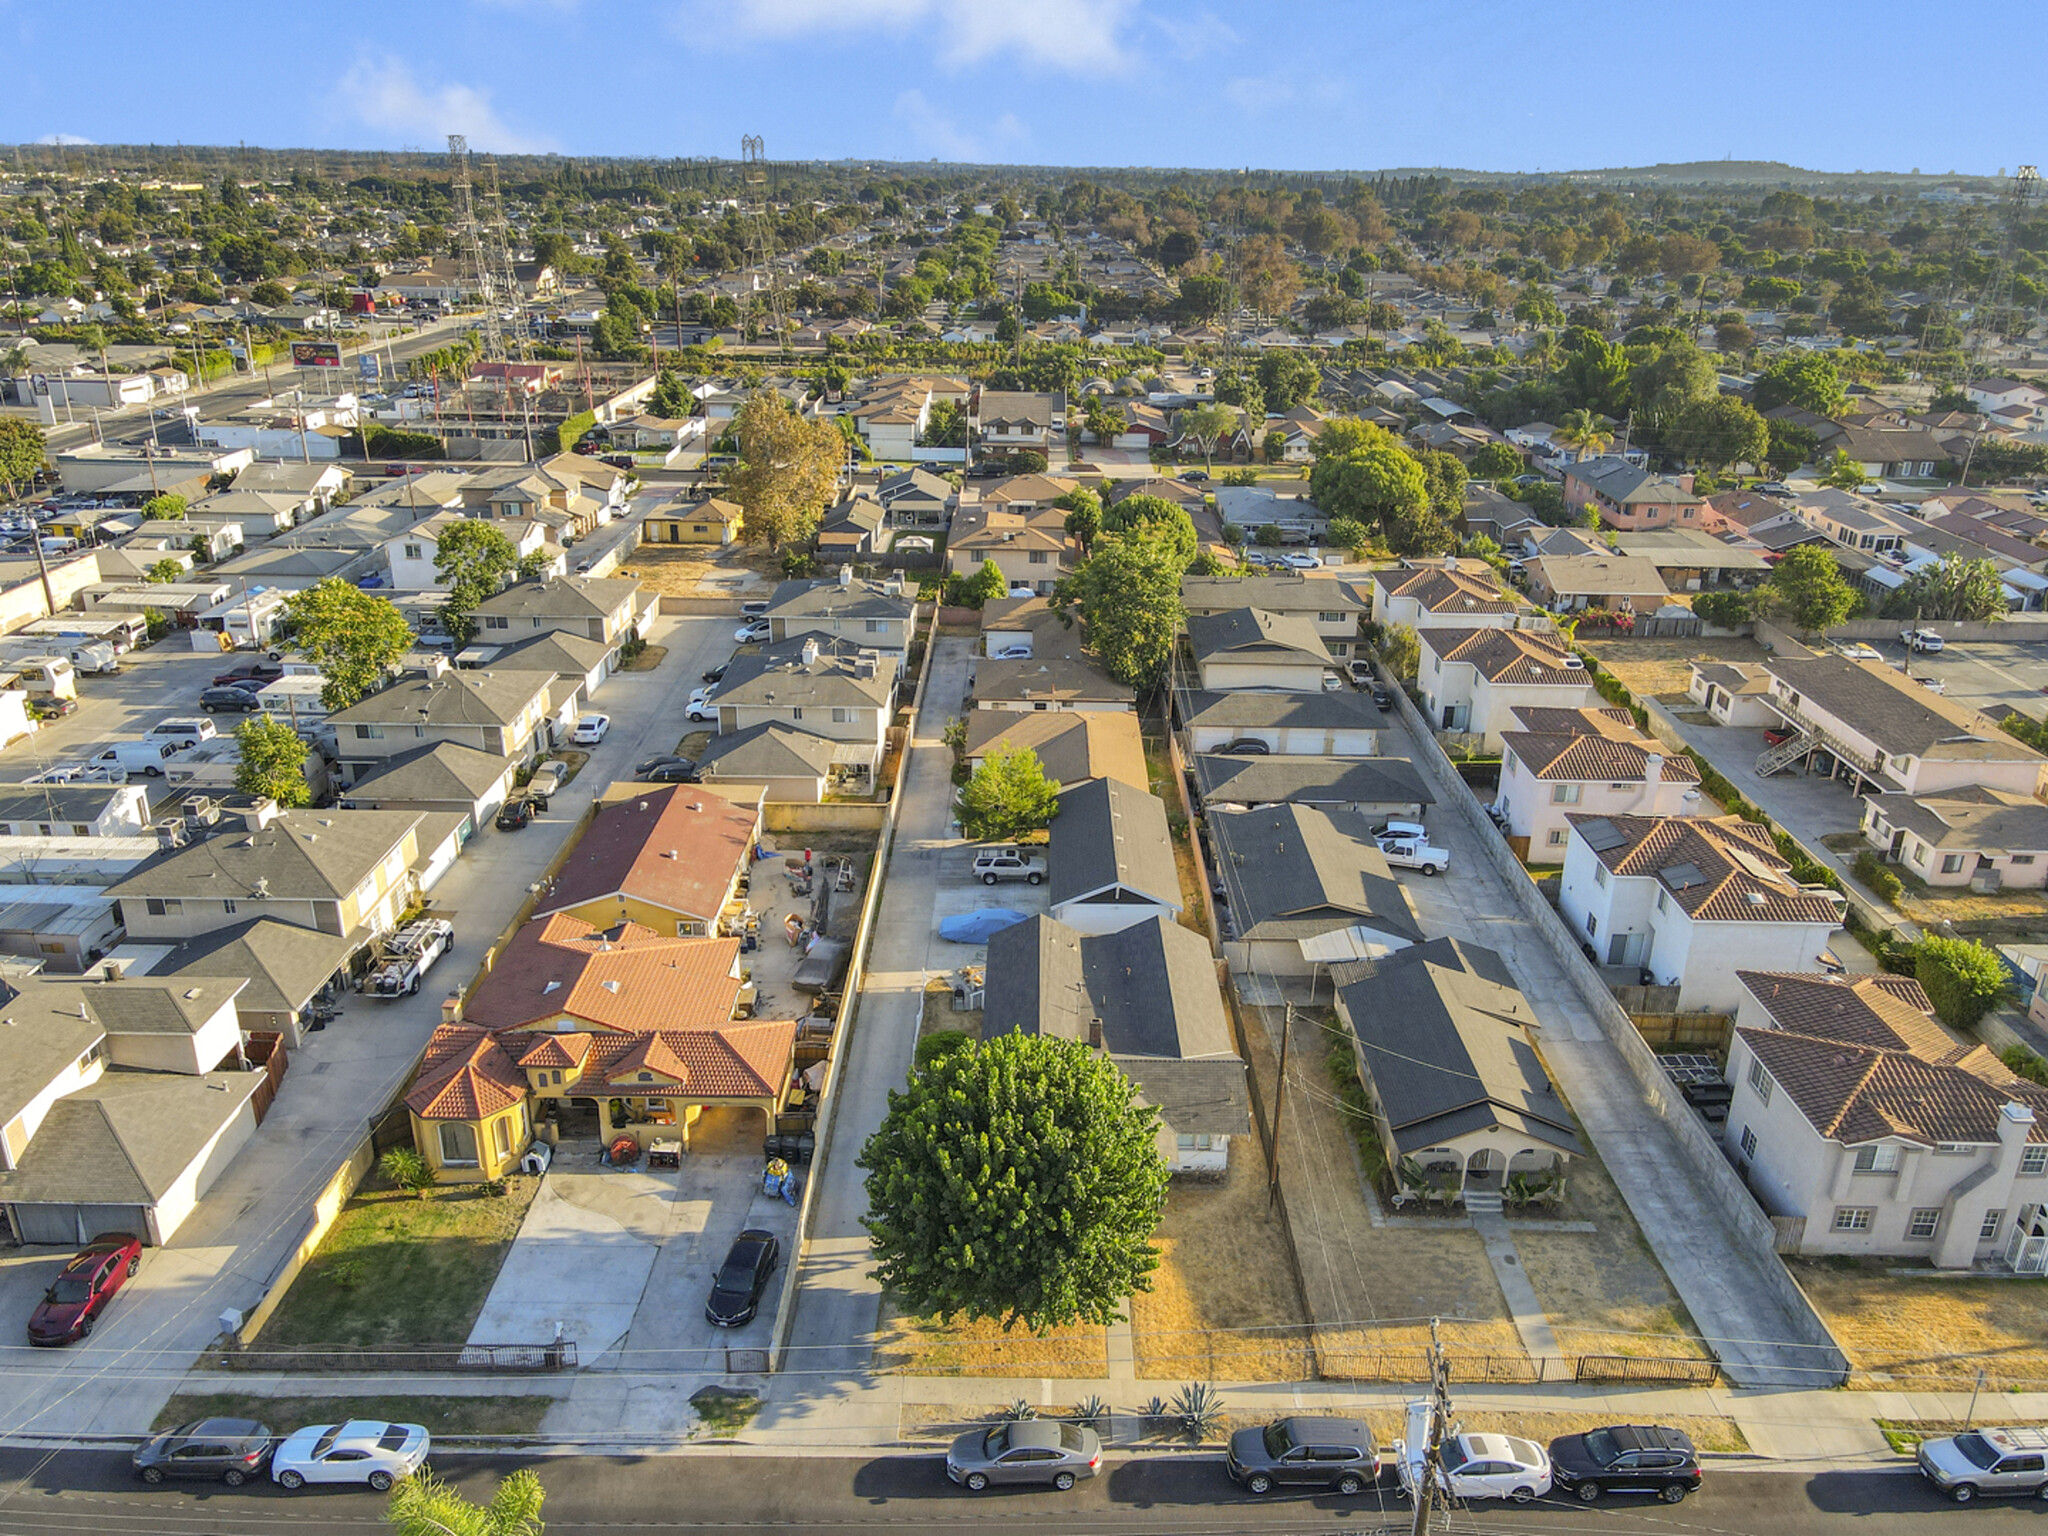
{"x":590,"y":730}
{"x":360,"y":1451}
{"x":753,"y":629}
{"x":1415,"y":853}
{"x":702,"y":705}
{"x":1302,"y":562}
{"x":1474,"y":1466}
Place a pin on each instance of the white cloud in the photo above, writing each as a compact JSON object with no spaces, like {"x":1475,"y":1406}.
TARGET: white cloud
{"x":1084,"y":36}
{"x":383,"y":94}
{"x":942,"y":137}
{"x":65,"y":138}
{"x":1255,"y":94}
{"x":1189,"y":37}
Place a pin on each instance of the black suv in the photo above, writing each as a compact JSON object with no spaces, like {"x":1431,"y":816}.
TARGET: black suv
{"x":1311,"y":1453}
{"x":1626,"y":1458}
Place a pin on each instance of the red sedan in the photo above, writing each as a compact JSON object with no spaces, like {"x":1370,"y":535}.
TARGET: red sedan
{"x":99,"y":1269}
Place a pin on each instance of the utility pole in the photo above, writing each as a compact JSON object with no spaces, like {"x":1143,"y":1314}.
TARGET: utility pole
{"x":1431,"y":1497}
{"x":1279,"y":1104}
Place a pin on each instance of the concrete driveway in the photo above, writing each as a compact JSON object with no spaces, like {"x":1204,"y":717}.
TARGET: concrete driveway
{"x":152,"y":685}
{"x":1731,"y":1304}
{"x":622,"y":1258}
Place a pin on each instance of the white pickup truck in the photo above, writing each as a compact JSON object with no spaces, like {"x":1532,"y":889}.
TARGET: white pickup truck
{"x":1414,"y":853}
{"x":408,"y":954}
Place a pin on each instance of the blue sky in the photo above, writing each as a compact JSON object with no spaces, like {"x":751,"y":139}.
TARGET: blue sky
{"x":1307,"y":85}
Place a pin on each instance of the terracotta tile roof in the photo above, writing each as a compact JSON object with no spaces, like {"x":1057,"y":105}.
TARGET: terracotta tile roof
{"x":1442,"y":591}
{"x":1510,"y":656}
{"x":675,"y":847}
{"x":737,"y":1061}
{"x":624,"y":978}
{"x":1587,"y":758}
{"x":1552,"y":720}
{"x":564,"y":1051}
{"x":1884,"y":1012}
{"x":1718,"y":869}
{"x":1854,"y":1094}
{"x":465,"y":1075}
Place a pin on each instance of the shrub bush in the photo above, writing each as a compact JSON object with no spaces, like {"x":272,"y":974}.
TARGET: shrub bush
{"x":2024,"y":1063}
{"x":1964,"y":980}
{"x":1878,"y":879}
{"x":940,"y":1043}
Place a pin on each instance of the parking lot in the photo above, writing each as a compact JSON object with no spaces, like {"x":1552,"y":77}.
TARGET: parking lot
{"x":152,"y":684}
{"x":1981,"y":673}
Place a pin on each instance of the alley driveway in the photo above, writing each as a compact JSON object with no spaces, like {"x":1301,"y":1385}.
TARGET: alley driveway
{"x":838,"y":1305}
{"x":1714,"y":1271}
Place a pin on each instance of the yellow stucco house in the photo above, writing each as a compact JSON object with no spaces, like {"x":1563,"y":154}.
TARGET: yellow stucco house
{"x":710,"y":521}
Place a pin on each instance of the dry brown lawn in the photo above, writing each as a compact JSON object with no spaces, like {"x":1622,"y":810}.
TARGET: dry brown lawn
{"x":1370,"y":1290}
{"x":1662,"y":668}
{"x":1223,"y":1304}
{"x":1604,"y":1292}
{"x":678,"y":570}
{"x":1901,"y":1331}
{"x":940,"y":1014}
{"x":926,"y":1347}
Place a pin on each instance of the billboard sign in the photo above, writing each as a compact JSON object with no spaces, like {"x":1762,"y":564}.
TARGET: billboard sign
{"x":316,"y":354}
{"x":369,"y":366}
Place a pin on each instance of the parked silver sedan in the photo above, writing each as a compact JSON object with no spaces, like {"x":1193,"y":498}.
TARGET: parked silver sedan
{"x":1033,"y":1451}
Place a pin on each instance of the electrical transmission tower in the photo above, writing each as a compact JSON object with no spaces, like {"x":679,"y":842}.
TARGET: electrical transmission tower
{"x":1992,"y":318}
{"x":760,"y":231}
{"x":498,"y":254}
{"x":477,"y":265}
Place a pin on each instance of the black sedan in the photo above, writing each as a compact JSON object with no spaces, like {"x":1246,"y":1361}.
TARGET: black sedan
{"x":1626,"y":1458}
{"x":679,"y":771}
{"x":736,"y":1291}
{"x":233,"y":1450}
{"x":713,"y":674}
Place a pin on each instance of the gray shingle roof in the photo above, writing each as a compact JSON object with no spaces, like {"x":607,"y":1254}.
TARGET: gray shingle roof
{"x":1444,"y":1035}
{"x":467,"y":697}
{"x":1153,"y":986}
{"x":446,"y":770}
{"x":1254,"y":635}
{"x":1971,"y":817}
{"x":303,"y":856}
{"x":127,"y":1138}
{"x":777,"y":676}
{"x":283,"y":963}
{"x":151,"y":1006}
{"x":576,"y":597}
{"x":1107,"y":835}
{"x":1226,"y":779}
{"x":772,"y":750}
{"x":1294,"y":872}
{"x":1245,"y":710}
{"x":1901,"y":717}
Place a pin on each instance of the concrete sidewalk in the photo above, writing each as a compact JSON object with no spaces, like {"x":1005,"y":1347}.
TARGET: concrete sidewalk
{"x":1805,"y":1431}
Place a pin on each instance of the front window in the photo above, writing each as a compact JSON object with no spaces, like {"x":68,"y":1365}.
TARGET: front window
{"x":1564,"y":794}
{"x":1951,"y":863}
{"x":2034,"y":1160}
{"x":1748,"y":1142}
{"x":1923,"y":1221}
{"x":1988,"y":1228}
{"x":1883,"y":1158}
{"x":458,"y":1145}
{"x":1760,"y":1082}
{"x":1853,"y":1218}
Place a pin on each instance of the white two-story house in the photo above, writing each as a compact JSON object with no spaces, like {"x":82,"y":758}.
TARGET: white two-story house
{"x":1689,"y":899}
{"x":1857,"y":1113}
{"x":1449,"y":593}
{"x":1591,"y":761}
{"x":1473,"y":679}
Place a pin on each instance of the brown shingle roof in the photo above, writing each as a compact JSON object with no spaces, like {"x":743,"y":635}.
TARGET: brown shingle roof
{"x":1718,"y":869}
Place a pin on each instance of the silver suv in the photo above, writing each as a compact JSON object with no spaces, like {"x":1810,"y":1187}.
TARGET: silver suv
{"x":993,"y":864}
{"x":2012,"y":1461}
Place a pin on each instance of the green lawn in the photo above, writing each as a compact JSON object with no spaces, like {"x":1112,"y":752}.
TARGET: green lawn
{"x":440,"y":1415}
{"x":400,"y":1270}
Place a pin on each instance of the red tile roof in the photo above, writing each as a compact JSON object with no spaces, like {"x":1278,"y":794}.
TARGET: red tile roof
{"x":1469,"y":589}
{"x":737,"y":1061}
{"x":465,"y":1075}
{"x":1510,"y":656}
{"x":557,"y":1051}
{"x":1883,"y":1011}
{"x":1591,"y":744}
{"x":675,"y":847}
{"x":626,"y":978}
{"x":1854,"y":1094}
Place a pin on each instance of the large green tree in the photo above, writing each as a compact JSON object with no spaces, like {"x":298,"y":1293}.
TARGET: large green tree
{"x":1128,"y":592}
{"x":353,"y":636}
{"x":1288,"y":378}
{"x":271,"y":761}
{"x":1807,"y":380}
{"x":1084,"y":517}
{"x":1718,"y":431}
{"x":1016,"y":1180}
{"x":22,"y":452}
{"x":472,"y":558}
{"x":1008,"y":796}
{"x":1119,"y":516}
{"x":1808,"y":587}
{"x":1208,"y":427}
{"x":423,"y":1505}
{"x":1386,"y":488}
{"x":789,"y":467}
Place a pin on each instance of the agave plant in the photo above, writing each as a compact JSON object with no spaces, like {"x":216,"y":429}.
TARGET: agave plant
{"x":1092,"y":1411}
{"x":1017,"y":1412}
{"x":1199,"y":1407}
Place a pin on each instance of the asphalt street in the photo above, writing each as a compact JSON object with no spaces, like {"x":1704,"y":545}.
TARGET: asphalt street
{"x":47,"y":1494}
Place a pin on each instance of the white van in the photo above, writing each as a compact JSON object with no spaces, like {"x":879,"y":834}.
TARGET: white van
{"x":146,"y":757}
{"x":183,"y":730}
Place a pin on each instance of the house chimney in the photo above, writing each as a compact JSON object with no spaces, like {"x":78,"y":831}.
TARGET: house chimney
{"x":1653,"y":770}
{"x":810,"y":653}
{"x":451,"y":1008}
{"x":1095,"y":1033}
{"x":253,"y":812}
{"x":846,"y":576}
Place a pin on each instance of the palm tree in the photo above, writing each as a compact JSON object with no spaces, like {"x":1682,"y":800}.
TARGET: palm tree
{"x":1584,"y":432}
{"x":1543,"y":352}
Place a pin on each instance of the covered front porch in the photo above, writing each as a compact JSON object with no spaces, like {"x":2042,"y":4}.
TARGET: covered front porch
{"x":1483,"y":1176}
